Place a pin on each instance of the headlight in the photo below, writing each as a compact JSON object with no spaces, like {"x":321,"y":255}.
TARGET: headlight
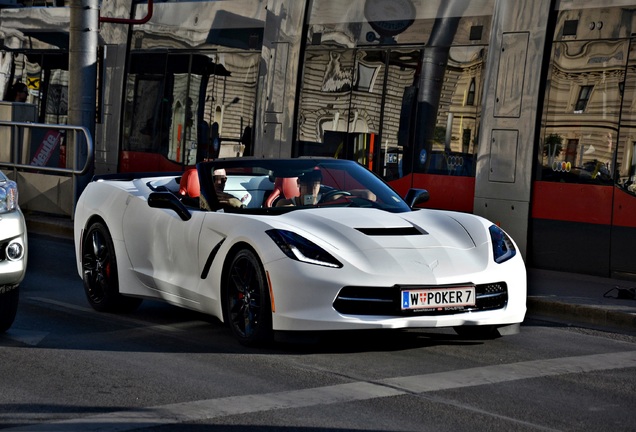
{"x":502,"y":247}
{"x":8,"y":196}
{"x":299,"y":248}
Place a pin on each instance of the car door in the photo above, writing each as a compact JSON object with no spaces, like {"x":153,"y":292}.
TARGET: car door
{"x":163,"y":250}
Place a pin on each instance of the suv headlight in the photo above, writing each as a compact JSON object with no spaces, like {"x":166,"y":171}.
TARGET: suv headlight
{"x":8,"y":196}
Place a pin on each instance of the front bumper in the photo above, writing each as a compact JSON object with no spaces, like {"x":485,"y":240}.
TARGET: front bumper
{"x":306,"y":298}
{"x":12,"y":230}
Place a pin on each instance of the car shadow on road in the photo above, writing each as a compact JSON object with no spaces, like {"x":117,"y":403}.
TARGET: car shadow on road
{"x":159,"y":327}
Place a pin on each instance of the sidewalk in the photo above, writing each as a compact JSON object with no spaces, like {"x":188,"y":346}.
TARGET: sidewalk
{"x":569,"y":298}
{"x":578,"y":298}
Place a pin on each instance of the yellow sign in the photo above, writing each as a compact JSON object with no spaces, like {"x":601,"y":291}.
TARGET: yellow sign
{"x":33,"y":82}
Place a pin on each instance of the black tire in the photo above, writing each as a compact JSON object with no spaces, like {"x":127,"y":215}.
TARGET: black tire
{"x":247,"y":302}
{"x":8,"y":308}
{"x":99,"y":270}
{"x":485,"y":332}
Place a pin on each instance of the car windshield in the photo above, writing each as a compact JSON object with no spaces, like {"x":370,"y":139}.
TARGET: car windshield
{"x":281,"y":185}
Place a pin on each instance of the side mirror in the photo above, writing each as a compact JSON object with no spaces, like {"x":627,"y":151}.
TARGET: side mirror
{"x":416,"y":196}
{"x":167,"y":200}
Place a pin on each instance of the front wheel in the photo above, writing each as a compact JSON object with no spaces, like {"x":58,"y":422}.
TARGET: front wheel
{"x":99,"y":265}
{"x":247,"y":302}
{"x":8,"y":307}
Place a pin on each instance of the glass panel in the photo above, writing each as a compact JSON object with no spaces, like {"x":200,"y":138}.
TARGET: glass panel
{"x":626,"y":154}
{"x":229,"y":104}
{"x":146,"y":111}
{"x":363,"y":123}
{"x":46,"y":76}
{"x":389,"y":22}
{"x":581,"y":112}
{"x":454,"y":146}
{"x":397,"y":107}
{"x":190,"y":107}
{"x":325,"y":99}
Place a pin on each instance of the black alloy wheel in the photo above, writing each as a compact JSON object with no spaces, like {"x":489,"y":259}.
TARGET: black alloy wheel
{"x":247,"y":299}
{"x":99,"y":265}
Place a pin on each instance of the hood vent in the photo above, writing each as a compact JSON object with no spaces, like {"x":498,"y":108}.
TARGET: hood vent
{"x":402,"y":231}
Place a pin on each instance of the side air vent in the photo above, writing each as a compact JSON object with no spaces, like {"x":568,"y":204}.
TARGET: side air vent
{"x":405,"y":231}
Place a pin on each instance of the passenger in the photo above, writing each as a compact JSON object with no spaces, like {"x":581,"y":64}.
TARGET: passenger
{"x":220,"y":178}
{"x":309,"y":185}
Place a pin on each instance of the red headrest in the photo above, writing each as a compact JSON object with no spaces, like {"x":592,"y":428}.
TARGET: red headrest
{"x":189,"y":184}
{"x":285,"y":186}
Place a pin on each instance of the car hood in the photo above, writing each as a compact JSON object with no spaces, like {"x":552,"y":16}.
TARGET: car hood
{"x":365,"y":229}
{"x":378,"y":242}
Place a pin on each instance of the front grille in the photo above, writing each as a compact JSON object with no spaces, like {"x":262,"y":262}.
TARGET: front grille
{"x":354,"y":300}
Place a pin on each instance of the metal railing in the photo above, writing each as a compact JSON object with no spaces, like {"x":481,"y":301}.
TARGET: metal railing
{"x":17,"y":153}
{"x":34,"y":151}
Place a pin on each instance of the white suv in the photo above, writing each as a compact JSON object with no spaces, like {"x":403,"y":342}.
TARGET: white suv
{"x":13,"y":251}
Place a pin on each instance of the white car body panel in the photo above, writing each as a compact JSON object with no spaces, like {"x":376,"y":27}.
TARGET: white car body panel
{"x":161,"y":256}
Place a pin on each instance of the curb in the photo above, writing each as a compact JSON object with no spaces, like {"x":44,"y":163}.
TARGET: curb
{"x":51,"y":226}
{"x":582,"y":314}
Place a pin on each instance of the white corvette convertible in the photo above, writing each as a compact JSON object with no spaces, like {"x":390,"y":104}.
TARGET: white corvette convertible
{"x":303,"y":244}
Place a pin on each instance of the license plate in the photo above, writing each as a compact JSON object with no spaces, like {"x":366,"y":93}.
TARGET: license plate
{"x":438,"y":298}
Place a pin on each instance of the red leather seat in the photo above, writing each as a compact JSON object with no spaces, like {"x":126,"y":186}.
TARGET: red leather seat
{"x":284,"y":187}
{"x":189,"y":185}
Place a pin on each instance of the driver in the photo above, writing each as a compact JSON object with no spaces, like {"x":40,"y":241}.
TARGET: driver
{"x":309,"y":185}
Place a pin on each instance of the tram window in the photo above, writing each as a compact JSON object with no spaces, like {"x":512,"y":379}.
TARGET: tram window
{"x":581,"y":148}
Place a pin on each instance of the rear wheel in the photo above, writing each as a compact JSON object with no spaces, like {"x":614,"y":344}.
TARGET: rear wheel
{"x":8,"y":308}
{"x":99,"y":265}
{"x":247,"y":302}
